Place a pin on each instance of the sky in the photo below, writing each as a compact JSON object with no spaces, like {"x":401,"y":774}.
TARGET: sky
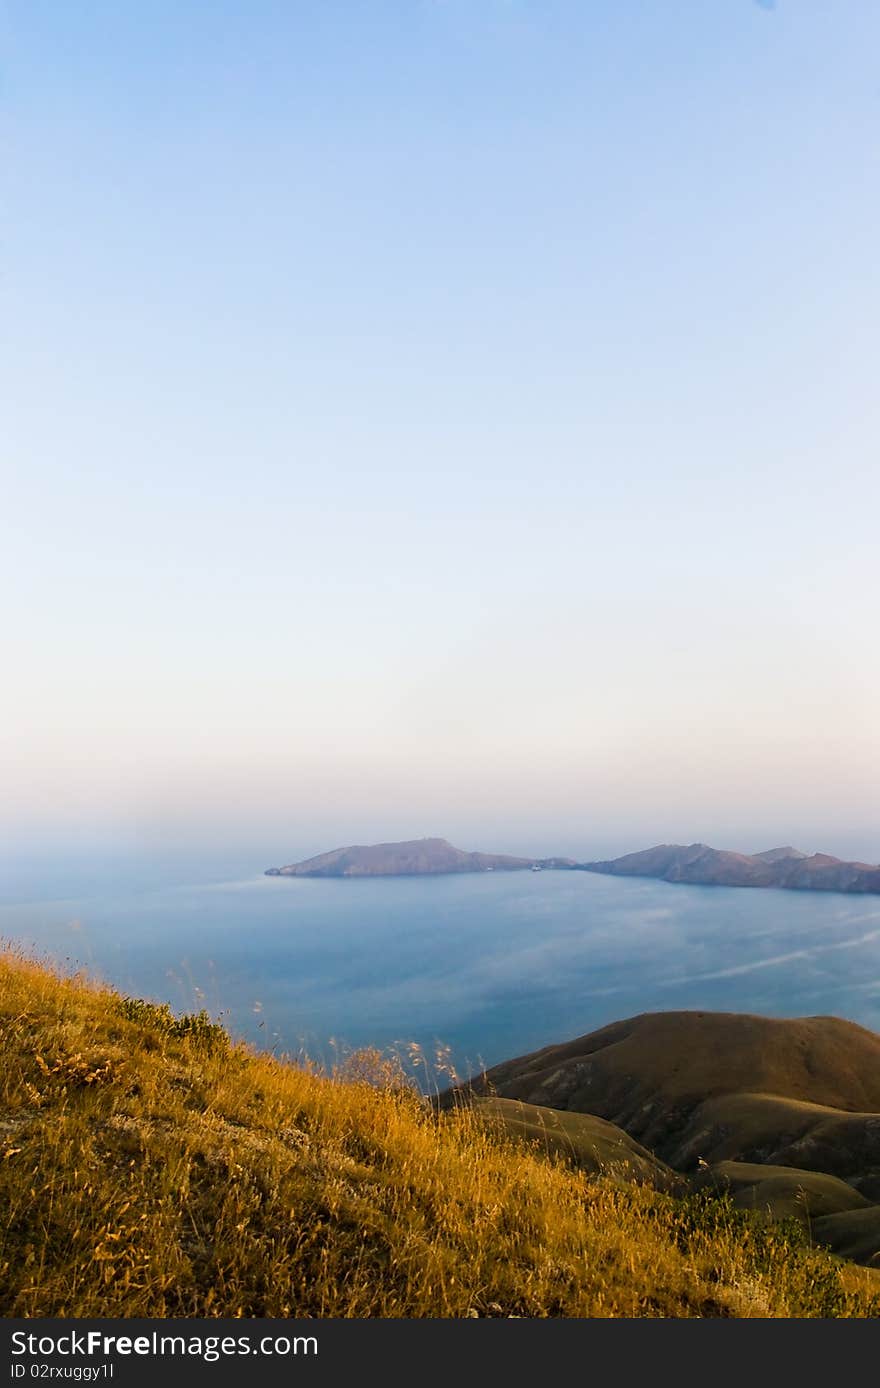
{"x":439,"y":417}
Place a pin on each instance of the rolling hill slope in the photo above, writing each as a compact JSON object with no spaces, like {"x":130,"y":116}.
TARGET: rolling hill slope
{"x":719,"y":1096}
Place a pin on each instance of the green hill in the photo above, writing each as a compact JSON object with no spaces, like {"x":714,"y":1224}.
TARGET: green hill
{"x":149,"y":1167}
{"x":784,"y":1115}
{"x":649,"y":1074}
{"x":781,"y":1191}
{"x":582,"y":1140}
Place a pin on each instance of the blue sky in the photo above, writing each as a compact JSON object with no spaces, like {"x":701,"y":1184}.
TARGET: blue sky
{"x":444,"y":416}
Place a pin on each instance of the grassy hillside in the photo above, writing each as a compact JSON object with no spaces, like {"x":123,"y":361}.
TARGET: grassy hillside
{"x":718,"y":1086}
{"x":676,"y":1060}
{"x":582,"y":1139}
{"x":148,"y":1167}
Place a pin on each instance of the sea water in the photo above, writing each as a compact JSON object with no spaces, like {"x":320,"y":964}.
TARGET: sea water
{"x":491,"y":965}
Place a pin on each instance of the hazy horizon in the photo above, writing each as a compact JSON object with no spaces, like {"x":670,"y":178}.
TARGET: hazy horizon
{"x":432,"y":418}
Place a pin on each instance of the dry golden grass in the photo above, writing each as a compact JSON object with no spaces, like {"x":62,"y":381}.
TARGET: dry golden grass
{"x":148,"y":1169}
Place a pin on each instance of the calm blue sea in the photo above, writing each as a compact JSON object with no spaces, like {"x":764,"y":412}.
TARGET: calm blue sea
{"x":490,"y":965}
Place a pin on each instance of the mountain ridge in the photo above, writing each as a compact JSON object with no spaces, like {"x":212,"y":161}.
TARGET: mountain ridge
{"x":700,"y":865}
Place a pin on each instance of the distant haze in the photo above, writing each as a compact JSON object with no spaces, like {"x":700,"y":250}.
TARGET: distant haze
{"x":440,"y":419}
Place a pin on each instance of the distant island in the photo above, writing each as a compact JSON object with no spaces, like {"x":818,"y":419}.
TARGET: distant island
{"x":701,"y":865}
{"x":414,"y":858}
{"x":695,"y":863}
